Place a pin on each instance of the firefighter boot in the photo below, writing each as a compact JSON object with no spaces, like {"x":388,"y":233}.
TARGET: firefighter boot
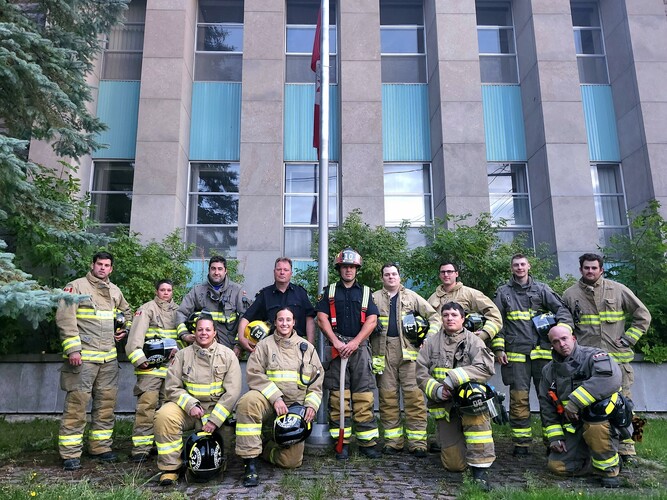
{"x":481,"y":477}
{"x":250,"y":477}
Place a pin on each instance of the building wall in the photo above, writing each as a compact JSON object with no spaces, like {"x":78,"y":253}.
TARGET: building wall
{"x":561,"y":192}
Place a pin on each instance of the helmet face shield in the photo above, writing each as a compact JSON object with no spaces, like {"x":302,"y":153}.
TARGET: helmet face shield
{"x":472,"y":398}
{"x":291,"y":428}
{"x":204,"y":455}
{"x":474,"y":322}
{"x":543,"y":323}
{"x":414,"y":328}
{"x":157,"y":351}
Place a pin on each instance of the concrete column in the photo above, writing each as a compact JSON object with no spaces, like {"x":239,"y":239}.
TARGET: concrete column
{"x":457,"y":119}
{"x":261,"y":201}
{"x":361,"y":166}
{"x":163,"y":131}
{"x":558,"y":162}
{"x":635,"y":40}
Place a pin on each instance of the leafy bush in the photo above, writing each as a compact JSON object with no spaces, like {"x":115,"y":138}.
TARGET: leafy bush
{"x":639,"y":263}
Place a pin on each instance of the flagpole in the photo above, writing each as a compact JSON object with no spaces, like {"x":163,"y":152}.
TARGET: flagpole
{"x":320,"y":430}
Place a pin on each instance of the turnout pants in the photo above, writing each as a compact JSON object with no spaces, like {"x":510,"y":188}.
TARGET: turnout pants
{"x":590,"y":445}
{"x":465,"y":440}
{"x":96,"y":380}
{"x":359,"y":386}
{"x":517,"y":375}
{"x":400,"y":375}
{"x":149,"y":391}
{"x":170,"y":423}
{"x":252,"y":411}
{"x":627,"y":446}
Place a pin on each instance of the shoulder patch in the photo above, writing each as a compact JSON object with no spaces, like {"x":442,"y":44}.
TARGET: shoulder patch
{"x":68,"y":289}
{"x":600,"y":355}
{"x":138,"y":313}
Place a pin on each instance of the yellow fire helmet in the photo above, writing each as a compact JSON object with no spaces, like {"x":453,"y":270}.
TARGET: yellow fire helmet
{"x":256,"y":331}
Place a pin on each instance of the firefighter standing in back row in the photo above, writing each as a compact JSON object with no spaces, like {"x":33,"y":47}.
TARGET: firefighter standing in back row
{"x":203,"y":384}
{"x":223,"y":299}
{"x":583,"y":414}
{"x":519,"y":349}
{"x":283,"y":373}
{"x":472,"y":300}
{"x":153,"y":320}
{"x":347,"y":316}
{"x":599,"y":307}
{"x":394,"y":357}
{"x":451,"y":359}
{"x":88,"y":333}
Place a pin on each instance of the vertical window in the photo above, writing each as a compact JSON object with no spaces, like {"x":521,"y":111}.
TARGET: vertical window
{"x":213,"y":208}
{"x":402,"y":41}
{"x":219,"y":41}
{"x":407,"y":197}
{"x":111,"y":194}
{"x":497,"y":47}
{"x":123,"y":48}
{"x":510,"y":202}
{"x":299,"y":38}
{"x":609,"y":202}
{"x":301,"y":206}
{"x":589,"y":43}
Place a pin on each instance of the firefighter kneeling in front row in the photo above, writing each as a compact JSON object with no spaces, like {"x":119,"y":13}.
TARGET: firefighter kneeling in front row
{"x":452,"y":368}
{"x":583,"y":413}
{"x":284,"y":376}
{"x":202,"y":386}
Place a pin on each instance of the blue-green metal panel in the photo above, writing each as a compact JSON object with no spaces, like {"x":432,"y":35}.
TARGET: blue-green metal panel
{"x":600,"y":123}
{"x":215,"y":129}
{"x":118,"y":107}
{"x":503,"y":123}
{"x":299,"y":105}
{"x":405,"y":122}
{"x":199,"y":268}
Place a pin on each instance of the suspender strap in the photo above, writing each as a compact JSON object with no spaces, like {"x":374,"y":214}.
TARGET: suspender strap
{"x":332,"y":306}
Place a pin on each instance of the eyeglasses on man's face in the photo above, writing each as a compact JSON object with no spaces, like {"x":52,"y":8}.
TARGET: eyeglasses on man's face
{"x":447,"y":271}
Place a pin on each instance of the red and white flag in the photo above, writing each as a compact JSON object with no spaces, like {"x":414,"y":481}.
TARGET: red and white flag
{"x":316,"y":66}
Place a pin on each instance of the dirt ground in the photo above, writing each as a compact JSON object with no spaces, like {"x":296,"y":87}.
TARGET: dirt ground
{"x":391,"y":477}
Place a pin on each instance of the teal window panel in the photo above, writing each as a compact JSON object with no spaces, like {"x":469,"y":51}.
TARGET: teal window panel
{"x":299,"y":105}
{"x":215,"y":128}
{"x":118,"y":107}
{"x":600,"y":123}
{"x":503,"y":123}
{"x":405,"y":122}
{"x":199,"y":268}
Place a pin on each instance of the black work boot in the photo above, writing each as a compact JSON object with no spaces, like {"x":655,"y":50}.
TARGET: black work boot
{"x":481,"y":477}
{"x":250,"y":477}
{"x":370,"y":451}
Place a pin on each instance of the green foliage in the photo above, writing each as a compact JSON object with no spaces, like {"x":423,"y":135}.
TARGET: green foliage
{"x":483,"y":260}
{"x":43,"y":96}
{"x":138,"y":266}
{"x":377,"y":246}
{"x":640,"y":265}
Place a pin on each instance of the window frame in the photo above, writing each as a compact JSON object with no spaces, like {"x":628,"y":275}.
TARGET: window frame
{"x":234,"y":53}
{"x":511,"y":229}
{"x":106,"y":227}
{"x":304,"y":194}
{"x":190,"y":195}
{"x":576,"y":31}
{"x":497,"y":55}
{"x":421,"y":58}
{"x":599,"y":196}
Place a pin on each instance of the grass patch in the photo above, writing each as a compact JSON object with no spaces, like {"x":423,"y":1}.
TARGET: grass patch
{"x":298,"y":488}
{"x":654,"y":444}
{"x":35,"y":435}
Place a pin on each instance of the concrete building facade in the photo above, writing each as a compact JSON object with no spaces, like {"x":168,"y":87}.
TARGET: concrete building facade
{"x":548,"y":113}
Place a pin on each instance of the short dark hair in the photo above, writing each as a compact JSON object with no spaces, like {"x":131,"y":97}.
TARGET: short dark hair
{"x":390,"y":264}
{"x":448,"y":306}
{"x":103,"y":256}
{"x":163,"y":282}
{"x":448,"y":263}
{"x":591,"y":257}
{"x":518,"y":256}
{"x":286,"y":308}
{"x":217,"y":258}
{"x":283,"y":259}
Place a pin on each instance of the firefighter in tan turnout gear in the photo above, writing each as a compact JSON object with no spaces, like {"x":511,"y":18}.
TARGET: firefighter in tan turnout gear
{"x":284,"y":377}
{"x":88,"y":334}
{"x":347,"y":316}
{"x":521,"y":351}
{"x":395,"y":350}
{"x":203,"y":384}
{"x":449,"y":360}
{"x":472,"y":300}
{"x":583,"y":412}
{"x":153,"y":334}
{"x":599,"y":307}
